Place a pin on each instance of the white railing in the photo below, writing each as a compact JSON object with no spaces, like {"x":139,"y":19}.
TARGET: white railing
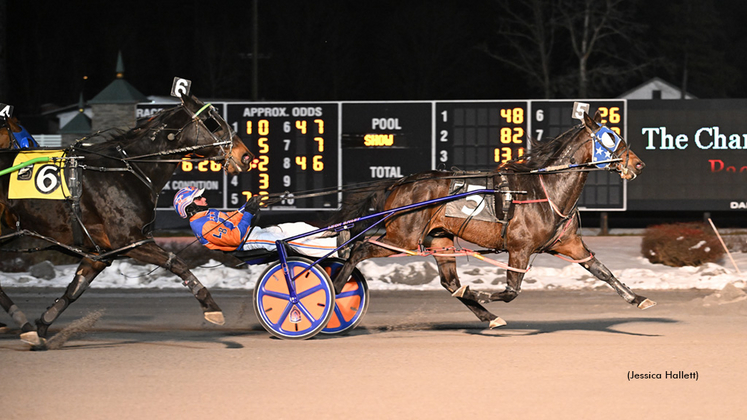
{"x":48,"y":140}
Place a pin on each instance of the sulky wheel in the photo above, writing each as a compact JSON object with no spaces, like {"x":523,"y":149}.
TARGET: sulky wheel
{"x":298,"y":312}
{"x":351,"y":304}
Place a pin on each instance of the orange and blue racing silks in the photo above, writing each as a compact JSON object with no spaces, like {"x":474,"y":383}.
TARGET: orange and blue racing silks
{"x":222,"y":231}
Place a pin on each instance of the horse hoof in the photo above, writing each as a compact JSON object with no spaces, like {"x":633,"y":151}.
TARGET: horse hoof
{"x":497,"y":322}
{"x":460,"y":292}
{"x":647,"y":303}
{"x":32,"y":338}
{"x":215,"y":317}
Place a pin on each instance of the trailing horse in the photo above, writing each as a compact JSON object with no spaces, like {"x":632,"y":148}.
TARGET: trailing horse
{"x":536,"y":197}
{"x":107,"y":187}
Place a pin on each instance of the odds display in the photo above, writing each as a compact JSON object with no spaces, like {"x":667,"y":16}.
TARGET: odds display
{"x":303,"y":147}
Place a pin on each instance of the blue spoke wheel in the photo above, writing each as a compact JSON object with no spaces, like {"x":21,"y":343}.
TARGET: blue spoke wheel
{"x":351,"y":304}
{"x":299,"y":310}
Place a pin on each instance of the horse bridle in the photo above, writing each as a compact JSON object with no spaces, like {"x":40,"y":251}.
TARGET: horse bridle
{"x":213,"y":121}
{"x":11,"y":137}
{"x":609,"y":141}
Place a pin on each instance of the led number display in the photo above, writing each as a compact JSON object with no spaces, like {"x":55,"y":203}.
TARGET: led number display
{"x":479,"y":135}
{"x":604,"y":190}
{"x":296,"y":149}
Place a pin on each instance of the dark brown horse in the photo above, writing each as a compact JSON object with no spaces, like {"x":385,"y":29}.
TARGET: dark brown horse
{"x":544,"y":220}
{"x":109,"y":212}
{"x":10,"y":128}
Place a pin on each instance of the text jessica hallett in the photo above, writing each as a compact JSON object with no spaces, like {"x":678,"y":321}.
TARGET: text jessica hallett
{"x":669,"y":374}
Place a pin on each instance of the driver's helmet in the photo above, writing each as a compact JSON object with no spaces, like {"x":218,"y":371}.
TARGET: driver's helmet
{"x":184,"y":198}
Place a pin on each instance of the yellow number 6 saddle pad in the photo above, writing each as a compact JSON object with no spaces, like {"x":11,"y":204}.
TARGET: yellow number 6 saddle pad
{"x":40,"y":180}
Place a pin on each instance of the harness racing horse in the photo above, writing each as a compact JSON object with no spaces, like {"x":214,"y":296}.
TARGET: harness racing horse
{"x":113,"y":190}
{"x":14,"y":135}
{"x":553,"y":175}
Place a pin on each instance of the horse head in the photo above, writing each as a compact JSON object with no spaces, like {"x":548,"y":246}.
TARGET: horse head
{"x":609,"y":148}
{"x":8,"y":125}
{"x":212,"y":131}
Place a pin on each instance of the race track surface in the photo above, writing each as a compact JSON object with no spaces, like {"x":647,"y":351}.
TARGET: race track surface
{"x":416,"y":355}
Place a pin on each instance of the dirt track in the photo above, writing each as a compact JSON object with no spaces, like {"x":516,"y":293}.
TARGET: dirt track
{"x":417,"y":355}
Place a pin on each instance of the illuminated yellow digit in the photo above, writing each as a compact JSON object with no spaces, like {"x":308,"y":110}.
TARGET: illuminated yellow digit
{"x":496,"y":155}
{"x":248,"y":127}
{"x":518,"y":134}
{"x":215,"y":166}
{"x":603,"y":111}
{"x":520,"y":152}
{"x":187,"y":165}
{"x":506,"y":113}
{"x":320,"y":123}
{"x":615,"y":115}
{"x":301,"y":161}
{"x":264,"y":181}
{"x":301,"y":125}
{"x":203,"y":166}
{"x":263,"y":146}
{"x":507,"y":151}
{"x":506,"y":135}
{"x":518,"y":115}
{"x":616,"y":130}
{"x":318,"y":164}
{"x":263,"y":161}
{"x":247,"y":194}
{"x":263,"y":128}
{"x":320,"y":142}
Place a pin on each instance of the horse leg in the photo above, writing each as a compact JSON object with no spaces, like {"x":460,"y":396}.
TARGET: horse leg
{"x":28,"y":331}
{"x":360,"y":251}
{"x":151,"y":253}
{"x":86,"y":272}
{"x":450,"y":281}
{"x":516,"y":259}
{"x":577,"y":250}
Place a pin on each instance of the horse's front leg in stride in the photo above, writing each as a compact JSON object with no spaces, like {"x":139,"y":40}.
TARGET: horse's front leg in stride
{"x":603,"y":273}
{"x":513,"y":282}
{"x":28,"y":331}
{"x":450,"y":281}
{"x":153,"y":254}
{"x":86,"y":272}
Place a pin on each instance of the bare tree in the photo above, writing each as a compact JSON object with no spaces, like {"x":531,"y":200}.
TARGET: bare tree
{"x":595,"y":28}
{"x":527,"y":31}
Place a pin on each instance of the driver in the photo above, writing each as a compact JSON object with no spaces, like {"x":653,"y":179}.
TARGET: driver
{"x":233,"y":231}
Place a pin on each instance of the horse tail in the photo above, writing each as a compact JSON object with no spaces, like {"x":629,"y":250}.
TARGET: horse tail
{"x":361,"y":203}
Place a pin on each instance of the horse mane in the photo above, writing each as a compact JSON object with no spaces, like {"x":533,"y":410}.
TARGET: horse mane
{"x":542,"y":152}
{"x":115,"y":135}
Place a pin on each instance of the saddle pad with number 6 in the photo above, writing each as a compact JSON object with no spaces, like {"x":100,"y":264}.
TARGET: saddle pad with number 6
{"x":42,"y":180}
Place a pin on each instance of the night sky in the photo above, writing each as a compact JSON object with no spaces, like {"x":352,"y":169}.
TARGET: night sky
{"x":320,"y":50}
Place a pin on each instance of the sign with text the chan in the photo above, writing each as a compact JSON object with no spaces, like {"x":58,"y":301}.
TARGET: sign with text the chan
{"x":695,"y":153}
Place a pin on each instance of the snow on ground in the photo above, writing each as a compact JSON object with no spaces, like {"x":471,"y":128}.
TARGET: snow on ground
{"x":621,"y":254}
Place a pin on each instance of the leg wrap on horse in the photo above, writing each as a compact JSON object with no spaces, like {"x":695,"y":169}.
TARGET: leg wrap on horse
{"x":194,"y":286}
{"x":54,"y":311}
{"x":603,"y":273}
{"x":77,"y":287}
{"x":19,"y":317}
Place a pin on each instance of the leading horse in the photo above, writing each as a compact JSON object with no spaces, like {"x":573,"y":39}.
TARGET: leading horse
{"x":14,"y":135}
{"x":110,"y":209}
{"x":545,"y":220}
